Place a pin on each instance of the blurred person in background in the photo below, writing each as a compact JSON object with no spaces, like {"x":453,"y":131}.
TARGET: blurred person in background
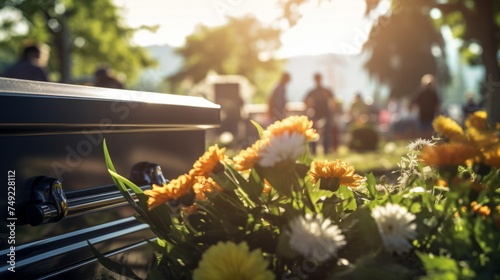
{"x":358,"y":107}
{"x":32,"y":65}
{"x":278,"y":99}
{"x":470,"y":105}
{"x":319,"y":103}
{"x":103,"y":78}
{"x":427,"y":103}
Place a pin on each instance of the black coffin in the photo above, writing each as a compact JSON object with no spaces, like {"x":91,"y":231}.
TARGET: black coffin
{"x":51,"y":138}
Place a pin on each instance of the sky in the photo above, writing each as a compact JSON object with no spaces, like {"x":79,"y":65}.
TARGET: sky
{"x":331,"y":26}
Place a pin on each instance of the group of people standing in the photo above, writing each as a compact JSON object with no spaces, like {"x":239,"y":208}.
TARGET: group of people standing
{"x":33,"y":65}
{"x":321,"y":108}
{"x":326,"y":111}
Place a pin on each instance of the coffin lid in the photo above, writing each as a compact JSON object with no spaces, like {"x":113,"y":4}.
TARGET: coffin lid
{"x":30,"y":105}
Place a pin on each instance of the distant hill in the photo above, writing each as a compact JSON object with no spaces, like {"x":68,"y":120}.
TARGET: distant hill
{"x":168,"y":63}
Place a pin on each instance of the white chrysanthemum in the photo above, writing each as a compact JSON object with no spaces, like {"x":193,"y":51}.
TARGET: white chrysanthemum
{"x":283,"y":147}
{"x":315,"y":237}
{"x":419,"y":144}
{"x":395,"y":226}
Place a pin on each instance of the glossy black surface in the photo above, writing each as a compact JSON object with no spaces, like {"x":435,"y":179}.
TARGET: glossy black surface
{"x":57,"y":131}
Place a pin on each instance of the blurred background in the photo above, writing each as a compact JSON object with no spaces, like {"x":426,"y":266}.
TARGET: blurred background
{"x":234,"y":52}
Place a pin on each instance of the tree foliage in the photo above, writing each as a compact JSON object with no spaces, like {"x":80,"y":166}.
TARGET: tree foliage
{"x":239,"y":47}
{"x":81,"y":34}
{"x":402,"y":41}
{"x":405,"y":45}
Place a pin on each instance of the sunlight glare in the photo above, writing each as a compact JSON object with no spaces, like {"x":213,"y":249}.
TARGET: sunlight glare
{"x":336,"y":26}
{"x":329,"y":27}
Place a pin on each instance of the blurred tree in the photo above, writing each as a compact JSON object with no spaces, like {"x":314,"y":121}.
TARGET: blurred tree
{"x":242,"y":46}
{"x":81,"y":34}
{"x":477,"y":23}
{"x":405,"y":42}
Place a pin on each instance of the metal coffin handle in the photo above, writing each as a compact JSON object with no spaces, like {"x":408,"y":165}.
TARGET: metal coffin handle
{"x":48,"y":203}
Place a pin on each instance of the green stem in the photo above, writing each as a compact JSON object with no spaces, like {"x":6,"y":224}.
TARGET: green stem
{"x":439,"y":223}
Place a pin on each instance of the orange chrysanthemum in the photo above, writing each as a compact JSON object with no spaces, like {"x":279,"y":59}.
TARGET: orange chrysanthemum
{"x":267,"y":187}
{"x":477,"y":120}
{"x":292,"y":124}
{"x":173,"y":190}
{"x":206,"y":164}
{"x":481,"y":210}
{"x":448,"y":154}
{"x":247,"y":158}
{"x":442,"y":183}
{"x":448,"y":128}
{"x":204,"y":184}
{"x":338,"y":169}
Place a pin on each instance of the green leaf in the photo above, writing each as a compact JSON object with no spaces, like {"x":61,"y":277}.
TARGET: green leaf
{"x":371,"y":182}
{"x":251,"y":191}
{"x":255,"y":183}
{"x":315,"y":193}
{"x":112,"y":265}
{"x":376,"y":267}
{"x":280,"y":179}
{"x":259,"y":128}
{"x":438,"y":267}
{"x":362,"y":234}
{"x":126,"y":182}
{"x":484,"y":236}
{"x":348,"y":196}
{"x":107,"y":157}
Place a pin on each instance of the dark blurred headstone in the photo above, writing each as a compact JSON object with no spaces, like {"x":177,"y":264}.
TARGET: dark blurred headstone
{"x":227,"y":95}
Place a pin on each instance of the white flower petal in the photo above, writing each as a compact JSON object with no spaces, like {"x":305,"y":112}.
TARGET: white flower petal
{"x":315,"y":237}
{"x":395,"y":226}
{"x":284,"y":147}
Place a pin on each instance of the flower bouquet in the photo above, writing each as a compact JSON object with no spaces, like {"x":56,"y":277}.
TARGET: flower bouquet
{"x":272,"y":212}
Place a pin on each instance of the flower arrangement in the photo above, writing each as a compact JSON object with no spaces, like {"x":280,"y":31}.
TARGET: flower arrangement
{"x":272,"y":212}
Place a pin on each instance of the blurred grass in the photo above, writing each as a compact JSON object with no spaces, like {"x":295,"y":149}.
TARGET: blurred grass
{"x":385,"y":158}
{"x":382,"y":160}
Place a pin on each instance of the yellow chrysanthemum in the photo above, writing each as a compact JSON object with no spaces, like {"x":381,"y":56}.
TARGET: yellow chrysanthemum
{"x":247,"y":158}
{"x":208,"y":161}
{"x":293,"y":124}
{"x":229,"y":261}
{"x":448,"y":154}
{"x":492,"y":157}
{"x":477,"y":120}
{"x":448,"y":128}
{"x":339,"y":170}
{"x":484,"y":139}
{"x":173,"y":190}
{"x":204,"y":184}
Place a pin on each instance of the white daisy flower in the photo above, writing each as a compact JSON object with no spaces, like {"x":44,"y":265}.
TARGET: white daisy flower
{"x":283,"y":147}
{"x":395,"y":226}
{"x":315,"y":237}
